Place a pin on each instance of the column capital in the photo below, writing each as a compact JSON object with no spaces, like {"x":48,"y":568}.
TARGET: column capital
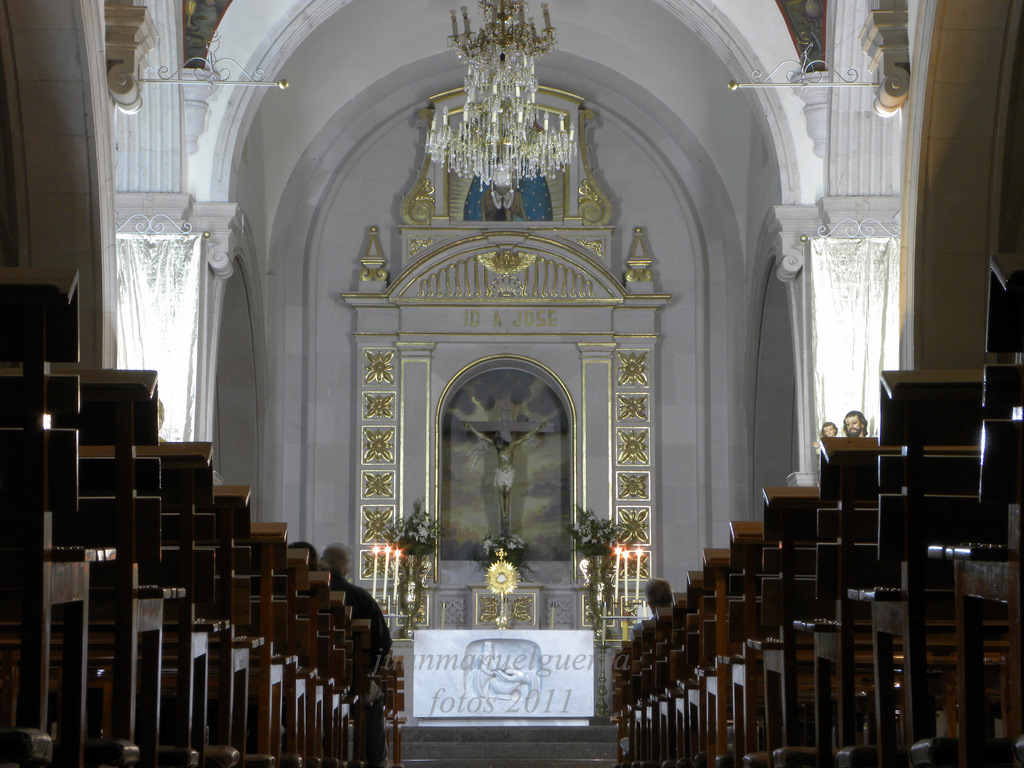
{"x":794,"y":225}
{"x":413,"y":349}
{"x":595,"y":351}
{"x":130,"y":35}
{"x":221,"y":226}
{"x":886,"y":40}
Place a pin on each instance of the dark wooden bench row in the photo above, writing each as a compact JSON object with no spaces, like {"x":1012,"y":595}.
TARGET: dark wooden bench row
{"x":872,"y":620}
{"x":127,"y":578}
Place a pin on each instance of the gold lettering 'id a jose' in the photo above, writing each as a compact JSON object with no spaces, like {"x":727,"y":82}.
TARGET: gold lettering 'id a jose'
{"x":511,"y":318}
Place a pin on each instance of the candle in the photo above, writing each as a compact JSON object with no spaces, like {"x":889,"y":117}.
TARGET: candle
{"x":387,"y":563}
{"x":444,"y":609}
{"x":618,"y":555}
{"x":551,"y":615}
{"x":394,"y":594}
{"x":375,"y":550}
{"x":639,"y":556}
{"x":626,"y":554}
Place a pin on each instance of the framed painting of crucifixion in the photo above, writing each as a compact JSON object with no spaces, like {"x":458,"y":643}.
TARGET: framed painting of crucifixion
{"x":505,"y":463}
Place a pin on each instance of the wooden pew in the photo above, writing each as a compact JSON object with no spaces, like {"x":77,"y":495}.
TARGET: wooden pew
{"x":847,"y":562}
{"x":789,"y":595}
{"x":992,"y":573}
{"x":717,"y":651}
{"x":231,"y":648}
{"x":908,"y":524}
{"x":342,"y":675}
{"x":695,"y":714}
{"x":39,"y":314}
{"x":119,"y":411}
{"x":268,"y":545}
{"x":746,"y":545}
{"x":186,"y":476}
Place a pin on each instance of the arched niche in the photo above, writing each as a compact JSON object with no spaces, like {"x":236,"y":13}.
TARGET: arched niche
{"x":506,"y":397}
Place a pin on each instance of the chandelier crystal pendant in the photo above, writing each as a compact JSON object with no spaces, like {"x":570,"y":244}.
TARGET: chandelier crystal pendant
{"x":502,"y":136}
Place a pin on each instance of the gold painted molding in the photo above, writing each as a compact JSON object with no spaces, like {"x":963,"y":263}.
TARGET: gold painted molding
{"x":595,"y":207}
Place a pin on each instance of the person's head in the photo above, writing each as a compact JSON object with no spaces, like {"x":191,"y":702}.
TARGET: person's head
{"x":500,"y":442}
{"x":659,"y":595}
{"x":313,"y":560}
{"x":855,"y":425}
{"x":829,"y":429}
{"x":335,"y":558}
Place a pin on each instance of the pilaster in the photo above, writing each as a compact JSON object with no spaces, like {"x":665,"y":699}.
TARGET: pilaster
{"x":149,"y":152}
{"x":416,"y":425}
{"x":795,"y":225}
{"x":594,"y":428}
{"x":220,"y":225}
{"x":852,"y":125}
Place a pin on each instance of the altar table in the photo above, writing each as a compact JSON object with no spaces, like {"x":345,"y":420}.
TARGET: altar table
{"x":507,"y":674}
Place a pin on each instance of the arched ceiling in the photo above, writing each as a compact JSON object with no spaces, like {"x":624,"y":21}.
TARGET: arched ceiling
{"x":677,"y":53}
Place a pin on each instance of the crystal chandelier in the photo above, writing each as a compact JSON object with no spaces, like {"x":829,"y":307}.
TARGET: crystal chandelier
{"x":502,"y":136}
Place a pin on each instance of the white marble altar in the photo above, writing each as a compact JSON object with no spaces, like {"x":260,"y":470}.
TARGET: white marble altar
{"x":507,"y":674}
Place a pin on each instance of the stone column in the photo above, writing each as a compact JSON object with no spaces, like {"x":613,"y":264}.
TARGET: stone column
{"x":795,"y":225}
{"x":220,"y":225}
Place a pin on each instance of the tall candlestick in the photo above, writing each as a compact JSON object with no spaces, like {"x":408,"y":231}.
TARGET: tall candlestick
{"x":639,"y":557}
{"x":394,"y":594}
{"x":387,"y":564}
{"x":627,"y":555}
{"x":375,"y":550}
{"x":618,"y":555}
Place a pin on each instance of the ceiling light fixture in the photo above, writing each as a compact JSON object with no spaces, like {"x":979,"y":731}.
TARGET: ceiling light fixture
{"x":502,"y":136}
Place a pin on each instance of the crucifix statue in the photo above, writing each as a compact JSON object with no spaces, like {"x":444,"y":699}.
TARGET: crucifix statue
{"x":505,"y":446}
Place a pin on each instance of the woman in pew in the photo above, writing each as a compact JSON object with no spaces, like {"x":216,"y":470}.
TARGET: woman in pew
{"x":336,"y":559}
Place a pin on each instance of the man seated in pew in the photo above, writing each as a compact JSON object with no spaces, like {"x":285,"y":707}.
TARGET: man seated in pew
{"x":336,"y":559}
{"x":314,"y":558}
{"x":659,"y":597}
{"x":855,"y":425}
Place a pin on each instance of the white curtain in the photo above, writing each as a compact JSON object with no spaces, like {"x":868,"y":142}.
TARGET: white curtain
{"x":158,"y":320}
{"x":854,"y":324}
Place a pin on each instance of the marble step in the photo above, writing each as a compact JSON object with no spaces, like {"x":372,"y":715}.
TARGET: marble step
{"x":507,"y":747}
{"x":499,"y":760}
{"x":518,"y":749}
{"x":503,"y":733}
